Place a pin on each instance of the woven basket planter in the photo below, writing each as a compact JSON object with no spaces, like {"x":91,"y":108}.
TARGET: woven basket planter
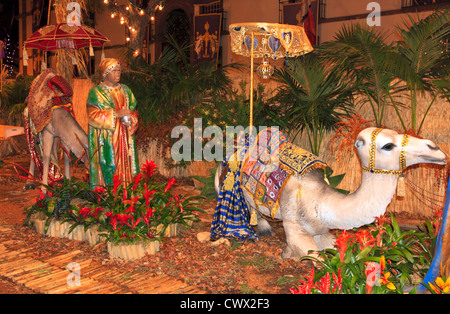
{"x":92,"y":236}
{"x":76,"y":234}
{"x":132,"y":251}
{"x":54,"y":228}
{"x":173,"y":230}
{"x":39,"y":225}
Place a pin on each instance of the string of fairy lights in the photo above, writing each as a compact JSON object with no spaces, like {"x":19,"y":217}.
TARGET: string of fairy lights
{"x":127,"y":17}
{"x":7,"y":51}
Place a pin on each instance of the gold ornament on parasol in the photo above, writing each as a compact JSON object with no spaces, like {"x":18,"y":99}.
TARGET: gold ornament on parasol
{"x":270,"y":40}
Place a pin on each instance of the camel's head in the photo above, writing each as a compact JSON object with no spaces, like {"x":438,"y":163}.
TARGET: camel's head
{"x":384,"y":149}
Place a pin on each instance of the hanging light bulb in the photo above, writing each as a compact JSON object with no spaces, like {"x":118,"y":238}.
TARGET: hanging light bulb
{"x":265,"y":70}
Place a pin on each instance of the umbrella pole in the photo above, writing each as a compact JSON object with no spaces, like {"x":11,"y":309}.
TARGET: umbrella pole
{"x":251,"y":85}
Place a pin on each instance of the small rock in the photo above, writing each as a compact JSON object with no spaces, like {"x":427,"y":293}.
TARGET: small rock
{"x":221,"y":241}
{"x":203,"y":237}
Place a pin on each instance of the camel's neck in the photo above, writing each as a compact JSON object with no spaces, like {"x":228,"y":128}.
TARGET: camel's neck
{"x":365,"y":204}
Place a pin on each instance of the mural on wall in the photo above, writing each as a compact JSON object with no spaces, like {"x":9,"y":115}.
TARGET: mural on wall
{"x":303,"y":13}
{"x":207,"y":37}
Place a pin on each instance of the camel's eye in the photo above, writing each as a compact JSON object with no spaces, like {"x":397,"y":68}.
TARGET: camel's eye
{"x":388,"y":146}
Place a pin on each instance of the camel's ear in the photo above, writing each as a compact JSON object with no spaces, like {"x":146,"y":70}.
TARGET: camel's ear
{"x":359,"y":142}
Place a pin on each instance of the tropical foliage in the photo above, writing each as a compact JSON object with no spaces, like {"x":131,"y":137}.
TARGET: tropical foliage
{"x":414,"y":64}
{"x":312,"y":98}
{"x":172,"y":84}
{"x":378,"y":259}
{"x":13,"y":96}
{"x":359,"y":53}
{"x":422,"y":46}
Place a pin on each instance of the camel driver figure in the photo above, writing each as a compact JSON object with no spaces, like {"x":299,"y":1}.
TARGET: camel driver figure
{"x":112,"y":124}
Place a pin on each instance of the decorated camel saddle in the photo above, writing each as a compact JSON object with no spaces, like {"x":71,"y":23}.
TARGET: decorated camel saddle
{"x":271,"y":162}
{"x":48,"y":91}
{"x":271,"y":159}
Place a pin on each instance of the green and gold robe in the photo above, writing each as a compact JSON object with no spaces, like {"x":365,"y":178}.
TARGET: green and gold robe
{"x":111,"y":145}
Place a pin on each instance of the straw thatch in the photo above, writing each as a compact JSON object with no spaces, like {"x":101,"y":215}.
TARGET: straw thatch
{"x":426,"y":184}
{"x":81,"y":89}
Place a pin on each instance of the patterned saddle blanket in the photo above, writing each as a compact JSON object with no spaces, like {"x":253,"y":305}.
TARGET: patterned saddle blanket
{"x":271,"y":161}
{"x":47,"y":92}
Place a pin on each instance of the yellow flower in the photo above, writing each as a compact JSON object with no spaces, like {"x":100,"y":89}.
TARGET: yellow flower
{"x":385,"y":281}
{"x":445,"y":286}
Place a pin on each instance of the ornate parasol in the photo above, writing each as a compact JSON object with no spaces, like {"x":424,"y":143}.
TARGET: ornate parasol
{"x":270,"y":40}
{"x":64,"y":36}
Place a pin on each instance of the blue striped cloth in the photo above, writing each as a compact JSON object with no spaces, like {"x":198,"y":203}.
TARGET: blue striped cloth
{"x":231,"y":216}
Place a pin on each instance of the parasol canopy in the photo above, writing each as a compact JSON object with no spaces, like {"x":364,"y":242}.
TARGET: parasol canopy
{"x":64,"y":36}
{"x":270,"y":40}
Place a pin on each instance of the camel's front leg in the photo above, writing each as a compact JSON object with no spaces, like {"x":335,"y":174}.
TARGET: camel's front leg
{"x":66,"y":164}
{"x":299,"y":241}
{"x":29,"y":185}
{"x":47,"y":143}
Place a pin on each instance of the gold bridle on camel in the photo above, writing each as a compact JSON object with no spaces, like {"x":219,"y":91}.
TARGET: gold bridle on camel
{"x":402,"y":161}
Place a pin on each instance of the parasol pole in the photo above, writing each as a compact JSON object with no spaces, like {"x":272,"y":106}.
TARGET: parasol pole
{"x":251,"y":86}
{"x":48,"y":14}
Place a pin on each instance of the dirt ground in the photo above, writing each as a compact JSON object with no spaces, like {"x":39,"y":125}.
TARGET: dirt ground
{"x":240,"y":268}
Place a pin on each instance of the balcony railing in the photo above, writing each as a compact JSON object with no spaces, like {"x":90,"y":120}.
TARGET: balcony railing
{"x":418,"y":3}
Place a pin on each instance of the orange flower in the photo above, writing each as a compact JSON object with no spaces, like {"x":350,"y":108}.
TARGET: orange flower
{"x":342,"y":243}
{"x":365,"y":238}
{"x":306,"y":286}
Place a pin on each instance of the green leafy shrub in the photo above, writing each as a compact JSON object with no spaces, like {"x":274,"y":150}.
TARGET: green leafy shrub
{"x":378,"y":259}
{"x":139,"y":210}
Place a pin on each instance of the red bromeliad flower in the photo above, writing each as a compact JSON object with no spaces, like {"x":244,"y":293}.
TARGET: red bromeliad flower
{"x":114,"y":224}
{"x":135,"y":223}
{"x":324,"y":284}
{"x":99,"y":191}
{"x":148,"y":214}
{"x":365,"y":238}
{"x":149,"y":168}
{"x":338,"y":282}
{"x":147,"y":194}
{"x":40,"y":198}
{"x":171,"y":182}
{"x":116,"y":182}
{"x":85,"y":212}
{"x":123,"y":218}
{"x":137,"y":179}
{"x":342,"y":243}
{"x":306,"y":285}
{"x":179,"y":202}
{"x":96,"y":211}
{"x":133,"y":201}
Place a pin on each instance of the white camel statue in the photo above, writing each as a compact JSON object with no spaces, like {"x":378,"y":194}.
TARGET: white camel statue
{"x":47,"y":119}
{"x":308,"y":219}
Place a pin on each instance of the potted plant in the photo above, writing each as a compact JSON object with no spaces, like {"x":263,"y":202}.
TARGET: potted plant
{"x":130,"y":215}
